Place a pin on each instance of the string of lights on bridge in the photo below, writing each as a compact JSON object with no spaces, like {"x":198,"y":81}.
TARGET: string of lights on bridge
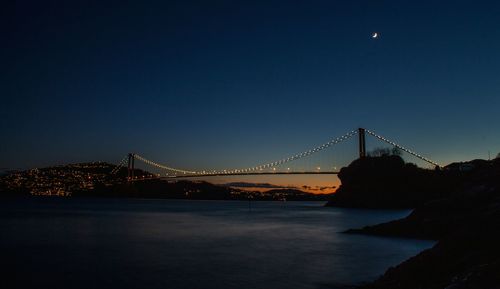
{"x":270,"y":165}
{"x":120,"y":165}
{"x":403,"y":148}
{"x":175,"y":172}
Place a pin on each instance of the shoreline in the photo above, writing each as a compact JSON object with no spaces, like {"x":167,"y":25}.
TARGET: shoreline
{"x":466,"y":254}
{"x":458,"y":208}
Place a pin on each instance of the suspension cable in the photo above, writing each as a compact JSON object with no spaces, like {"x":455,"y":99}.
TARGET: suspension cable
{"x":255,"y":168}
{"x":403,"y":148}
{"x":119,"y":166}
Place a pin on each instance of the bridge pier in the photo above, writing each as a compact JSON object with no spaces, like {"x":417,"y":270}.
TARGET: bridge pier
{"x":362,"y":143}
{"x":130,"y":166}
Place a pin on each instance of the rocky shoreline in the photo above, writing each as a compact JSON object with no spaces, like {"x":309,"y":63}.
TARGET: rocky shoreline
{"x":466,"y":224}
{"x":467,"y":254}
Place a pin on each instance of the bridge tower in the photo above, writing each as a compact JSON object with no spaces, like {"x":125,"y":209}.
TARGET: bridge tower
{"x":362,"y":143}
{"x":131,"y":166}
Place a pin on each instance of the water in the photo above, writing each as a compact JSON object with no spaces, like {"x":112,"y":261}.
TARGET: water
{"x":131,"y":243}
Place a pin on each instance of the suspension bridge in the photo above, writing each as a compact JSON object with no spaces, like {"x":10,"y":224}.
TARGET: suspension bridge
{"x":277,"y":167}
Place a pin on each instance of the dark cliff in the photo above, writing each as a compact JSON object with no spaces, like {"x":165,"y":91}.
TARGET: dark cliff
{"x":466,"y":223}
{"x":389,"y":182}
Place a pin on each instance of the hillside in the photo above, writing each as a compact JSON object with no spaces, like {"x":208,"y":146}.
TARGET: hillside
{"x":97,"y":180}
{"x":465,"y":223}
{"x":389,"y":182}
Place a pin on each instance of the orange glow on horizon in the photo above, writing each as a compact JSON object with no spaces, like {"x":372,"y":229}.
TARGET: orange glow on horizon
{"x":312,"y":191}
{"x":315,"y":184}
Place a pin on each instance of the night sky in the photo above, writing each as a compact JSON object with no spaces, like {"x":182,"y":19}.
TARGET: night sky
{"x":202,"y":84}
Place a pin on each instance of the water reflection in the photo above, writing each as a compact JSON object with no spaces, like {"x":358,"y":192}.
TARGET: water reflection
{"x":192,"y":244}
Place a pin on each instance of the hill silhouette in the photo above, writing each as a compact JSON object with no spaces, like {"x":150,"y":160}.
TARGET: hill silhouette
{"x":464,"y":220}
{"x":388,"y":182}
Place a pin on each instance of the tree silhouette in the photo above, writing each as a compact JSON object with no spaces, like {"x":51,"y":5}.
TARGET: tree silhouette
{"x":381,"y":152}
{"x":396,"y":151}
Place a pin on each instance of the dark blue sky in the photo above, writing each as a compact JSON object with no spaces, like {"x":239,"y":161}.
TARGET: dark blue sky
{"x":201,"y":84}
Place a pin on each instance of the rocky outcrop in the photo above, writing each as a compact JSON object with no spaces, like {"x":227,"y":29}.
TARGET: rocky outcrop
{"x":466,"y":223}
{"x":389,"y":182}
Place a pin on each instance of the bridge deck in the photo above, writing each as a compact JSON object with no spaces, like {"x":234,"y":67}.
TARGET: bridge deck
{"x":249,"y":174}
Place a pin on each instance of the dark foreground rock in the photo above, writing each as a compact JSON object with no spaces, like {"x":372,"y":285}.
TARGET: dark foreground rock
{"x":467,"y":263}
{"x":466,"y":256}
{"x":389,"y":182}
{"x":467,"y":227}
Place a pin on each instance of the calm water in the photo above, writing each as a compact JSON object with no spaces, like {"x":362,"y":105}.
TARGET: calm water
{"x":127,"y":243}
